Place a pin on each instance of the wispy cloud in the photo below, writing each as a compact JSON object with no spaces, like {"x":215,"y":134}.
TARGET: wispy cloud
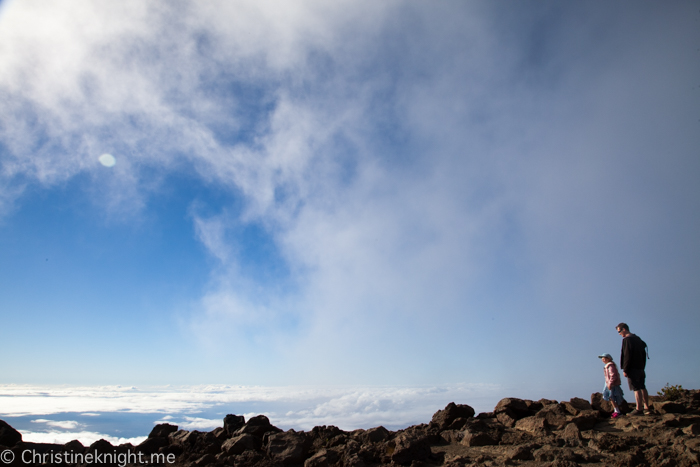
{"x":64,"y":424}
{"x":434,"y":178}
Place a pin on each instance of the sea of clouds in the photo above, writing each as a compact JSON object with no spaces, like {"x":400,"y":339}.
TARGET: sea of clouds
{"x":58,"y":414}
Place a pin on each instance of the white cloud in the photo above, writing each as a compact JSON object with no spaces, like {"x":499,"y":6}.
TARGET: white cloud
{"x":85,"y":437}
{"x":298,"y":407}
{"x":197,"y":423}
{"x":212,"y":233}
{"x":64,"y":424}
{"x":37,"y":400}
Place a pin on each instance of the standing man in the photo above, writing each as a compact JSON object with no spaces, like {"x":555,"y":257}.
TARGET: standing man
{"x":633,"y":360}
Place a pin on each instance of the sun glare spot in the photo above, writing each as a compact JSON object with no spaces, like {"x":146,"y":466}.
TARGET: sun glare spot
{"x":107,"y":160}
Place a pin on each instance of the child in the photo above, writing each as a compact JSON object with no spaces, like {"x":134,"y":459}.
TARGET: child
{"x":613,"y":390}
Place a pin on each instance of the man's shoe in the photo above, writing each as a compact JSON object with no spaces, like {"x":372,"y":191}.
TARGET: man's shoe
{"x":636,"y":412}
{"x":648,"y":411}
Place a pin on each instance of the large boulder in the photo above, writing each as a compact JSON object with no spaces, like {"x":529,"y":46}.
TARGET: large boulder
{"x":220,"y":434}
{"x":482,"y":432}
{"x":586,"y":419}
{"x":8,"y":435}
{"x":287,"y":447}
{"x":204,"y":442}
{"x":409,"y":447}
{"x":518,"y":407}
{"x":510,"y":410}
{"x":152,"y":445}
{"x":669,"y":407}
{"x":444,"y":418}
{"x":101,"y":445}
{"x":572,"y":433}
{"x":533,"y":424}
{"x":600,"y":404}
{"x":555,"y":415}
{"x":162,"y":430}
{"x":233,"y":422}
{"x":74,"y":446}
{"x":329,"y":436}
{"x":257,"y":426}
{"x":577,"y":405}
{"x":239,"y":444}
{"x":376,"y":435}
{"x":178,"y":436}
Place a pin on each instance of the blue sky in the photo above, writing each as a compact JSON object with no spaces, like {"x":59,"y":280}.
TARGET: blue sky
{"x":348,"y":193}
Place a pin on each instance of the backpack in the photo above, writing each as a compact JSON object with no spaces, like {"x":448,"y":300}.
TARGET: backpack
{"x":639,"y":345}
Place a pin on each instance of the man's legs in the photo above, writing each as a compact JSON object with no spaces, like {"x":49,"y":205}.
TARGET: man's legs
{"x":642,"y":399}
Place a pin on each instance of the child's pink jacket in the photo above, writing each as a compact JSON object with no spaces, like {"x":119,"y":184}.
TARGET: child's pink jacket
{"x":612,"y":377}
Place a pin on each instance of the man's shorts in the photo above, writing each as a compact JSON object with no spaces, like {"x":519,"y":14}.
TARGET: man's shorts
{"x":636,"y":379}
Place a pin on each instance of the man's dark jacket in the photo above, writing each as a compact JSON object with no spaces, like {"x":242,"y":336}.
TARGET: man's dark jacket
{"x":634,"y":354}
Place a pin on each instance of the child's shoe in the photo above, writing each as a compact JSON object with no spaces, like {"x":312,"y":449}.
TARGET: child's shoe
{"x":615,"y":414}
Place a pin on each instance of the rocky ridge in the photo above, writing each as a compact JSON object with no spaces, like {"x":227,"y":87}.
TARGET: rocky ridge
{"x":517,"y":433}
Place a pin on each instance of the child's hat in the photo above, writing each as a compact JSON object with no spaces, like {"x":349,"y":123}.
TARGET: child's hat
{"x":605,"y":355}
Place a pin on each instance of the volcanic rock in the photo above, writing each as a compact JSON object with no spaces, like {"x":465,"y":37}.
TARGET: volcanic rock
{"x":669,"y":407}
{"x":510,"y":410}
{"x":152,"y":445}
{"x":101,"y":445}
{"x":238,"y":444}
{"x":233,"y":423}
{"x":287,"y":447}
{"x":8,"y":435}
{"x":74,"y":446}
{"x":410,"y":447}
{"x":555,"y":415}
{"x":444,"y":418}
{"x":162,"y":430}
{"x":517,"y":432}
{"x":535,"y":425}
{"x":257,"y":426}
{"x":586,"y":419}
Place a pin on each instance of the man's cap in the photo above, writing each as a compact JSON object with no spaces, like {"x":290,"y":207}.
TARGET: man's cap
{"x":605,"y":355}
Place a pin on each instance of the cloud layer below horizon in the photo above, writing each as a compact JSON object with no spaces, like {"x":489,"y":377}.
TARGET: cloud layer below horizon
{"x":61,"y":414}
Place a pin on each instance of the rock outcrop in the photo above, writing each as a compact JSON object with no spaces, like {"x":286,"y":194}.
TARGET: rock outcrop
{"x":517,"y":433}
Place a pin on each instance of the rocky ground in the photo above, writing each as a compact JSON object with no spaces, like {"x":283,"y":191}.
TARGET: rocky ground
{"x":517,"y":433}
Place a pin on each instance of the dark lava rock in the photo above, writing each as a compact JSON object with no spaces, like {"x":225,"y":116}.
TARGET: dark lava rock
{"x":257,"y":426}
{"x":287,"y":447}
{"x":239,"y":444}
{"x":233,"y":423}
{"x":152,"y":445}
{"x":443,"y":418}
{"x":74,"y":446}
{"x":8,"y":435}
{"x":518,"y":432}
{"x":162,"y":430}
{"x":409,"y":448}
{"x":101,"y":445}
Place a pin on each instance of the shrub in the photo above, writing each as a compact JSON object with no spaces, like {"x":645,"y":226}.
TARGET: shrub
{"x":671,"y":393}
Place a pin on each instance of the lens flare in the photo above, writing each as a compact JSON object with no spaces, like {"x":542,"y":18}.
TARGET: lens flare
{"x":107,"y":160}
